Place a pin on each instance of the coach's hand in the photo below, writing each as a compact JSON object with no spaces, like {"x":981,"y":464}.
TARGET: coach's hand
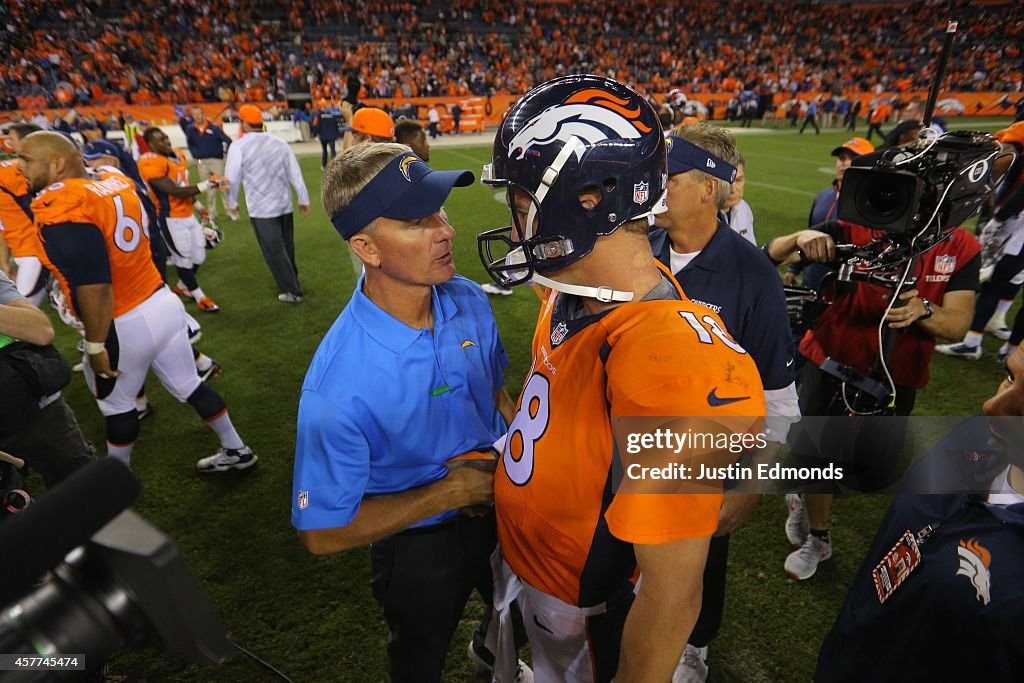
{"x":234,"y":214}
{"x":471,"y":481}
{"x":100,"y":364}
{"x":304,"y":208}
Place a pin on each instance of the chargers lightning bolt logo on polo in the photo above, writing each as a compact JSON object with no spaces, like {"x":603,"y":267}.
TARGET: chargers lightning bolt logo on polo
{"x":403,"y":166}
{"x":974,"y":562}
{"x":588,"y":115}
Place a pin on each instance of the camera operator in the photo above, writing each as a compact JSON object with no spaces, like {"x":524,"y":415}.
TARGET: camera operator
{"x":940,"y":305}
{"x":36,"y":424}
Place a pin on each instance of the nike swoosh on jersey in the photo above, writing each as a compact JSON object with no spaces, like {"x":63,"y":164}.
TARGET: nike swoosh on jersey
{"x":715,"y":401}
{"x":540,"y":625}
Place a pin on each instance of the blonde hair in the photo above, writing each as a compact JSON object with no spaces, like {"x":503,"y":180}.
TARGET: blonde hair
{"x":352,"y":170}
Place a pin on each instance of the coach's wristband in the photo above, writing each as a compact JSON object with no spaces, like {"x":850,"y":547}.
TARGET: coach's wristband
{"x":203,"y":186}
{"x":92,"y":348}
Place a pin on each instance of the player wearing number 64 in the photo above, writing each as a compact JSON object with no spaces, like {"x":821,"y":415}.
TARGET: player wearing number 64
{"x":94,"y":238}
{"x":583,"y":160}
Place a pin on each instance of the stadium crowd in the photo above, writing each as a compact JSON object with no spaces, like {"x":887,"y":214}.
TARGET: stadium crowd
{"x":255,"y":50}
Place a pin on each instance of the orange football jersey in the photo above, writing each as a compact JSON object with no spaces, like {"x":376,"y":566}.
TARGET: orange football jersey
{"x":108,"y":203}
{"x":153,"y":165}
{"x":15,"y":216}
{"x":561,"y":528}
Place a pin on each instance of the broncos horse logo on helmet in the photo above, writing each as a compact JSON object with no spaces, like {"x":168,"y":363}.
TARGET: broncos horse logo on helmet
{"x":571,"y":135}
{"x":591,"y":115}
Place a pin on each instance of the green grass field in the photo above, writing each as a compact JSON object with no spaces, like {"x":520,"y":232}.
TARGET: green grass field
{"x":314,"y":618}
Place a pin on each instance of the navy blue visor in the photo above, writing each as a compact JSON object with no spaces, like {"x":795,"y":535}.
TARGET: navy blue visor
{"x":405,"y":189}
{"x":685,"y":156}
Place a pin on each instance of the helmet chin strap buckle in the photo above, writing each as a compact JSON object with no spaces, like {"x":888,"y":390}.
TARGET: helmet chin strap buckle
{"x":604,"y":294}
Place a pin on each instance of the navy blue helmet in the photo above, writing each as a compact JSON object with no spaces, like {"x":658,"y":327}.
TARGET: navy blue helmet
{"x":570,"y":136}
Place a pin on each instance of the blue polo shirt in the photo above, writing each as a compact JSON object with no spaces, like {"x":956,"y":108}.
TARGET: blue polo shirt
{"x":384,"y":406}
{"x":733,"y":278}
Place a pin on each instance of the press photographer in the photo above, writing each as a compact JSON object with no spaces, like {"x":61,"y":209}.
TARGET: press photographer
{"x":906,"y":275}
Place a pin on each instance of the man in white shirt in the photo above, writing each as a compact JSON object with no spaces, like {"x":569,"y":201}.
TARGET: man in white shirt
{"x":737,"y":212}
{"x":267,"y":166}
{"x":433,"y":121}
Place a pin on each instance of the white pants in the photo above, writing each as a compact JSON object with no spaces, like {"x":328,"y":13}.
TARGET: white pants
{"x":557,"y":631}
{"x":188,"y":246}
{"x":152,"y":335}
{"x":31,"y":278}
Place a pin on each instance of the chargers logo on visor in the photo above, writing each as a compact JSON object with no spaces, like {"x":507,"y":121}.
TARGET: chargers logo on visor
{"x":405,"y":164}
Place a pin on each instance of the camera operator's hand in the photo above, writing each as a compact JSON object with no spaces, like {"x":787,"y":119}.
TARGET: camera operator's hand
{"x":816,"y":246}
{"x":907,"y":314}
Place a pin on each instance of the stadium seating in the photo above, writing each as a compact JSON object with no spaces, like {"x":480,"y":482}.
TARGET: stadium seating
{"x":73,"y":52}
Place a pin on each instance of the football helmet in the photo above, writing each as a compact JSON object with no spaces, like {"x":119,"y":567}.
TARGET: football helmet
{"x":675,"y":98}
{"x":566,"y":137}
{"x":214,"y":235}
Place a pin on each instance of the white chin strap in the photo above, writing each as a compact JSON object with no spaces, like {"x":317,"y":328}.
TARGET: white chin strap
{"x":602,"y":293}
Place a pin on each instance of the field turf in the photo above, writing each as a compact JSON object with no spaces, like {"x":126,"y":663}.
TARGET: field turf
{"x":314,"y":618}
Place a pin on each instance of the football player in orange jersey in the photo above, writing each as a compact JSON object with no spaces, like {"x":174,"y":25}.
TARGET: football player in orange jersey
{"x":92,"y":230}
{"x":583,"y":160}
{"x":16,"y":223}
{"x":165,"y":169}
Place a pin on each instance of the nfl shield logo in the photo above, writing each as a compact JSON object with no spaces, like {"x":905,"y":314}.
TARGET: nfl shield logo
{"x":640,"y":192}
{"x":303,"y":500}
{"x":945,"y":264}
{"x":558,"y":334}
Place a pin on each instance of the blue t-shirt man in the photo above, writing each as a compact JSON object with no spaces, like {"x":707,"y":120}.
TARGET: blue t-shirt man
{"x":384,"y":406}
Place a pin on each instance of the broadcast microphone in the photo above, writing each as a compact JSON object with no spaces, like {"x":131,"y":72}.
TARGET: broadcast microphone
{"x":37,"y":539}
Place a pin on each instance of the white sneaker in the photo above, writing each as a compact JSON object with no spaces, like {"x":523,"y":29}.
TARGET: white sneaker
{"x":995,"y":326}
{"x":224,"y":460}
{"x":1002,"y":334}
{"x":797,"y":524}
{"x":495,"y":289}
{"x":524,"y":674}
{"x":693,"y":666}
{"x":801,"y":564}
{"x":289,"y":298}
{"x":960,"y":350}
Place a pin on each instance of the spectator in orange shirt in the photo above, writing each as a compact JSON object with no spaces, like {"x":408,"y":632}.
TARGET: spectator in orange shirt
{"x":878,"y":117}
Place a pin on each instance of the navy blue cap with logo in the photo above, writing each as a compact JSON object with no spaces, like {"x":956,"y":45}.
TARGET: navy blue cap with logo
{"x":405,"y":189}
{"x":685,"y":156}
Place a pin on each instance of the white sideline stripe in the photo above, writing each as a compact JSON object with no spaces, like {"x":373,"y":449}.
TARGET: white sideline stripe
{"x":782,"y":188}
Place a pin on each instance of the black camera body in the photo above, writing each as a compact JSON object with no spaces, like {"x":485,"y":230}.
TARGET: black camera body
{"x":931,"y":182}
